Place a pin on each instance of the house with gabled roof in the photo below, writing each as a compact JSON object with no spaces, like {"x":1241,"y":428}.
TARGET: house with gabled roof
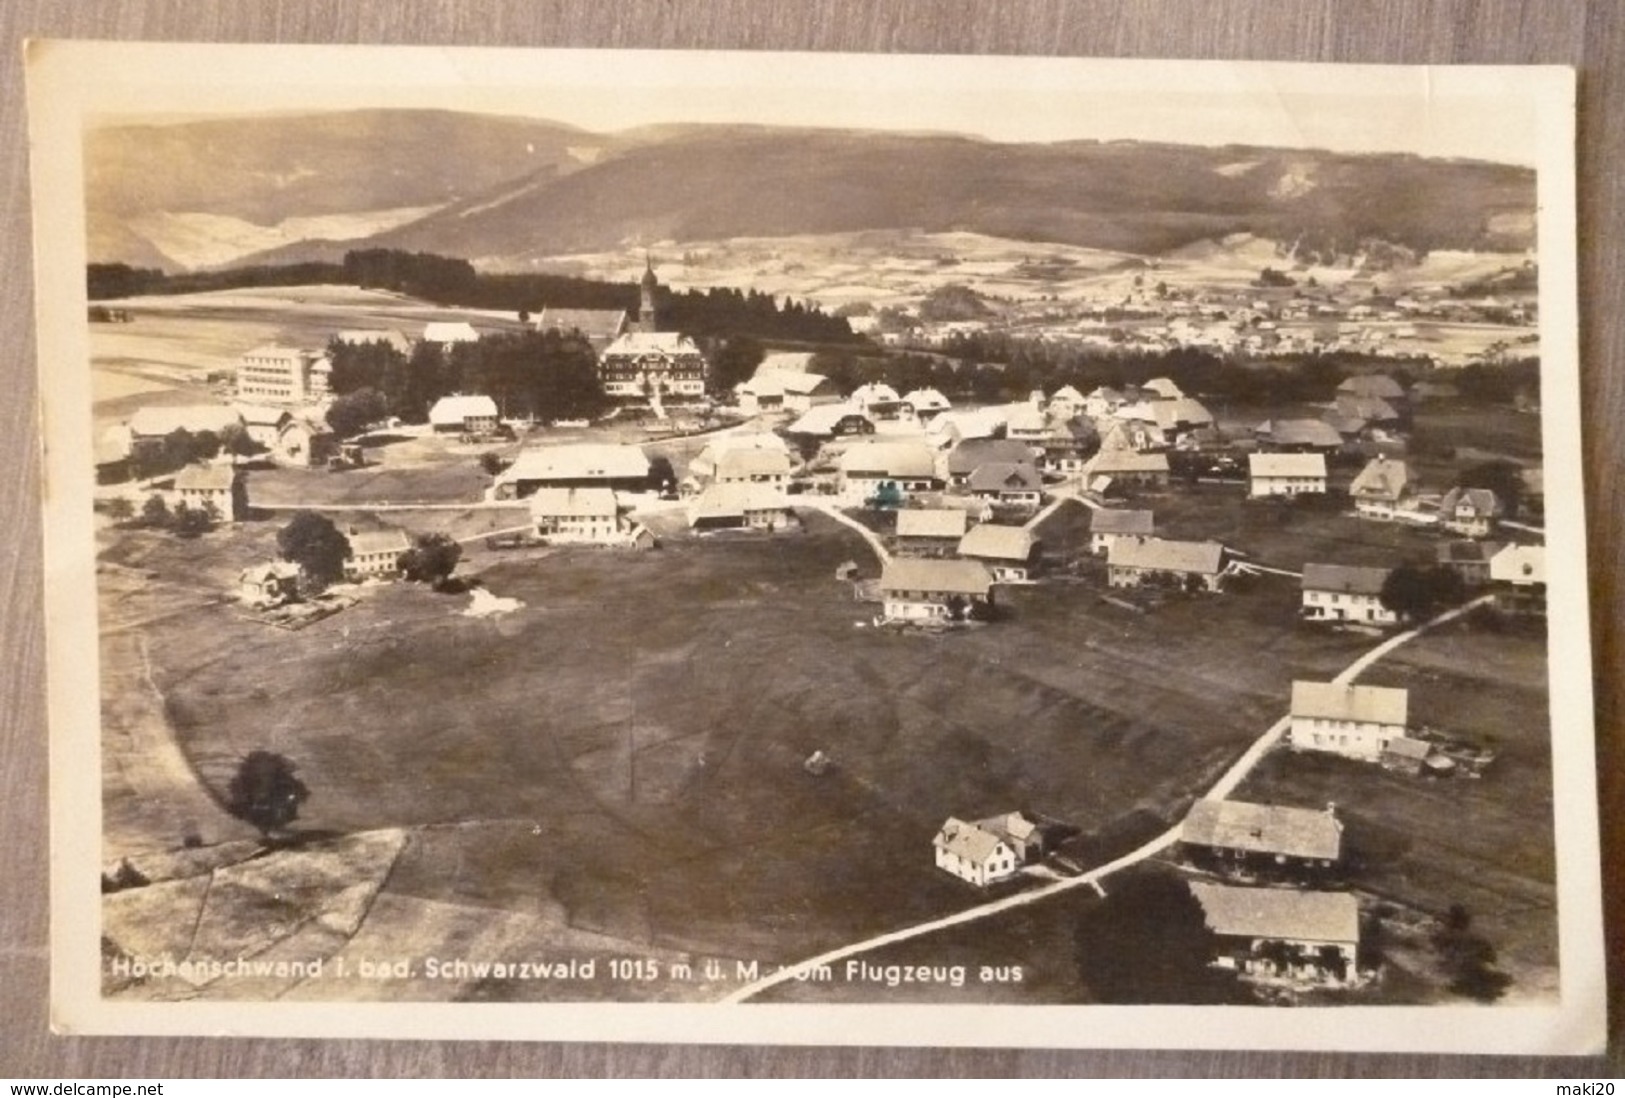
{"x":1298,"y":436}
{"x":578,"y":465}
{"x":1068,"y":445}
{"x":942,"y":591}
{"x":1345,"y":593}
{"x":928,"y":532}
{"x":1106,"y":525}
{"x":577,"y":516}
{"x":1469,"y":559}
{"x":268,"y":585}
{"x":1380,"y":386}
{"x":984,"y":852}
{"x":1518,"y":576}
{"x":1262,"y":836}
{"x":1283,"y":934}
{"x":375,"y":553}
{"x":1125,"y":468}
{"x":262,"y":422}
{"x":1285,"y":474}
{"x":751,"y":465}
{"x":1136,"y":561}
{"x":1472,"y":512}
{"x":832,"y":421}
{"x":971,"y":454}
{"x":218,"y":486}
{"x":646,"y":365}
{"x":1011,"y":484}
{"x":886,"y":471}
{"x":1381,"y":488}
{"x":1067,"y":402}
{"x":739,"y":505}
{"x":465,"y":414}
{"x":1356,"y":721}
{"x":1026,"y":423}
{"x":927,"y":404}
{"x":1009,"y":552}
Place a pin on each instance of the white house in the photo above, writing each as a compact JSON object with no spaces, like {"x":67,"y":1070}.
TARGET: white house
{"x":268,"y":585}
{"x":375,"y":554}
{"x":748,"y":465}
{"x":1010,"y":552}
{"x":577,"y":516}
{"x":448,"y":333}
{"x":1518,"y":576}
{"x":984,"y":852}
{"x":1290,"y":474}
{"x":1470,"y":511}
{"x":933,"y":590}
{"x":1381,"y":488}
{"x":891,"y":470}
{"x":217,"y":486}
{"x":1283,"y":933}
{"x":1358,"y":722}
{"x":468,"y":414}
{"x":1345,"y":592}
{"x":1107,"y":525}
{"x":1013,"y":484}
{"x":739,"y":504}
{"x":580,"y":465}
{"x":1133,"y":561}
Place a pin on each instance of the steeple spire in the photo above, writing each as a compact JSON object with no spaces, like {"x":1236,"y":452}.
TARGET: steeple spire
{"x":649,"y":284}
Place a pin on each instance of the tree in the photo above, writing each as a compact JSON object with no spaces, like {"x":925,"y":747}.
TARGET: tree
{"x":315,"y":544}
{"x":155,"y":513}
{"x":266,"y":792}
{"x":120,"y":509}
{"x":235,"y":440}
{"x":493,"y":462}
{"x":432,"y":559}
{"x":190,"y":522}
{"x":1504,"y":478}
{"x":352,"y":413}
{"x":1148,"y":942}
{"x":733,"y":362}
{"x":1414,"y":592}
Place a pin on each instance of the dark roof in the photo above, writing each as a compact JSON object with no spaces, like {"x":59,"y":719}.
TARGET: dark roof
{"x":1264,"y":829}
{"x":972,"y":453}
{"x":1347,"y":579}
{"x":1005,"y":476}
{"x":1104,"y":521}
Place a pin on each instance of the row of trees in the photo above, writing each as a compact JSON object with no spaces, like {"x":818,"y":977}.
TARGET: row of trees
{"x":542,"y":374}
{"x":182,"y":520}
{"x":181,"y":448}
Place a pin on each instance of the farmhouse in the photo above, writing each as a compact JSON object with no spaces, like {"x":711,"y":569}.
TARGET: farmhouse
{"x":1355,"y":721}
{"x":739,"y":504}
{"x":1344,"y":592}
{"x":705,"y":463}
{"x":1298,"y":436}
{"x":219,"y":487}
{"x":1283,"y":934}
{"x":1106,"y":526}
{"x":749,"y":465}
{"x":1134,"y":561}
{"x":925,"y":532}
{"x":582,"y":465}
{"x":1102,"y":402}
{"x":1026,"y":423}
{"x":1373,"y":410}
{"x":577,"y":516}
{"x":1067,"y":402}
{"x":986,"y":851}
{"x":934,"y":590}
{"x":600,"y":327}
{"x":1010,"y":552}
{"x":971,"y":454}
{"x":831,"y":421}
{"x":1133,"y":435}
{"x":375,"y":554}
{"x":1469,"y":511}
{"x":886,"y":472}
{"x":1262,"y":836}
{"x":1116,"y":468}
{"x":1287,"y":474}
{"x":283,"y":375}
{"x":268,"y":585}
{"x":1007,"y":483}
{"x":1518,"y":573}
{"x":1068,"y":445}
{"x":473,"y":414}
{"x":1381,"y":489}
{"x":1180,"y":415}
{"x":877,"y":399}
{"x":1378,"y":386}
{"x":1404,"y":755}
{"x":1162,"y":388}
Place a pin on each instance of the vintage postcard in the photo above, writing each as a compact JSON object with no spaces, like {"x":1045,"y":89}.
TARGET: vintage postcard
{"x":813,"y":548}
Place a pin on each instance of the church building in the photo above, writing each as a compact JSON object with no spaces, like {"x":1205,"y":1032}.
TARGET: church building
{"x":646,"y":364}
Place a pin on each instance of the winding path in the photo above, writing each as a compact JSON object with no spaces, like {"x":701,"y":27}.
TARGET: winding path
{"x":1220,"y":789}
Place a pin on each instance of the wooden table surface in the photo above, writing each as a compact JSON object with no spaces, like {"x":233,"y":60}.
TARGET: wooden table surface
{"x":1588,"y":34}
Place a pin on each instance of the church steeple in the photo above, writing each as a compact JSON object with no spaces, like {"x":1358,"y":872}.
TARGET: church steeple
{"x":646,"y":307}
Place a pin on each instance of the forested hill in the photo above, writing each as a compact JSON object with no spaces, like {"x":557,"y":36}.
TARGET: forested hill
{"x":505,"y":195}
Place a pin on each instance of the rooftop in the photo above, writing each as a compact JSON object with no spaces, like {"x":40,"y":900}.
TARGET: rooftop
{"x":1347,"y":702}
{"x":583,"y":461}
{"x":953,"y":577}
{"x":1279,"y":913}
{"x":1159,"y":555}
{"x":1264,"y":829}
{"x":1107,"y":521}
{"x":1346,"y":579}
{"x":993,"y":542}
{"x":930,"y":523}
{"x":573,"y":503}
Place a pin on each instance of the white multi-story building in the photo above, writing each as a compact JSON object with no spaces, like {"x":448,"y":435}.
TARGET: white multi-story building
{"x":283,"y":375}
{"x":1344,"y":719}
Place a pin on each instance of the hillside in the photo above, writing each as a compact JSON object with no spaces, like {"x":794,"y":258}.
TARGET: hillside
{"x":511,"y":193}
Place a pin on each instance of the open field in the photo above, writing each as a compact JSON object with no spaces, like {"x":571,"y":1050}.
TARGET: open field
{"x":649,"y":715}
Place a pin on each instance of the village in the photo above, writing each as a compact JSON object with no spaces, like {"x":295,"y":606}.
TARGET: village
{"x":959,"y":524}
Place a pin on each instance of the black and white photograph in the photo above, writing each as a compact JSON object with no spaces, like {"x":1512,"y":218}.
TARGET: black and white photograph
{"x":600,"y":544}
